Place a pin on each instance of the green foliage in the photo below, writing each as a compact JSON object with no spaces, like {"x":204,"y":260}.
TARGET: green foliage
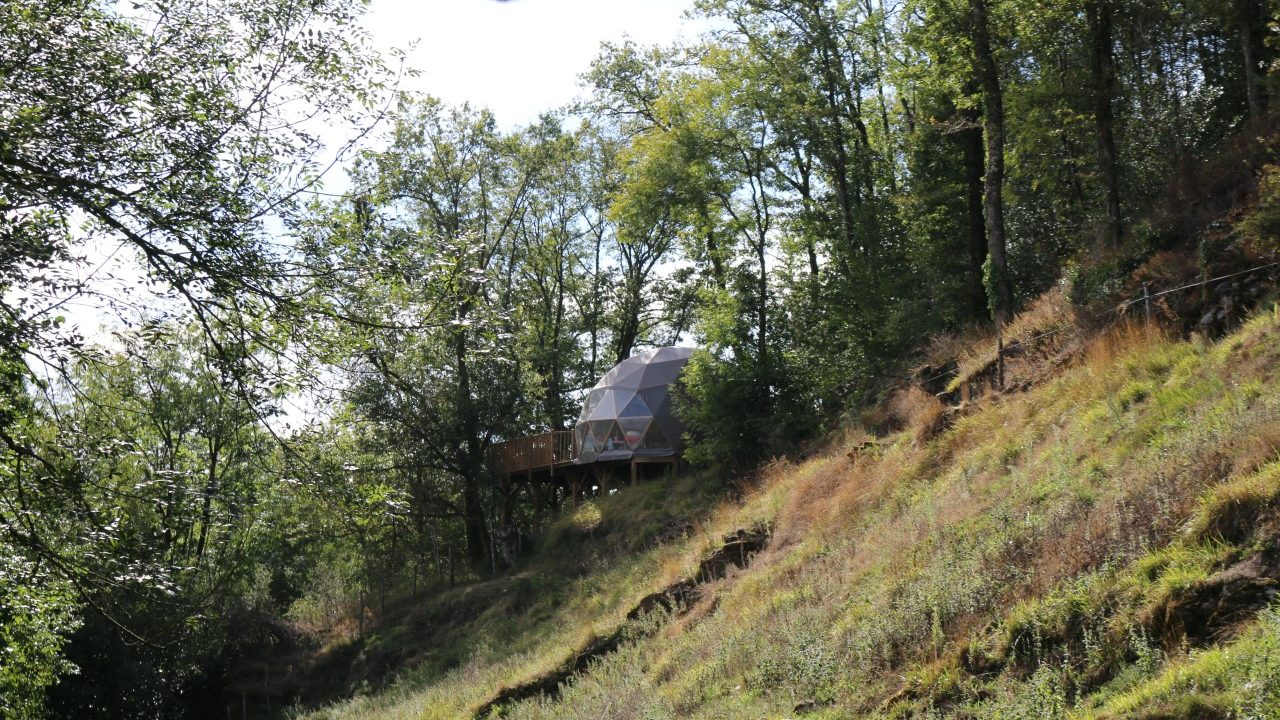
{"x":1262,"y":225}
{"x":37,"y":616}
{"x":798,"y":192}
{"x":721,"y":401}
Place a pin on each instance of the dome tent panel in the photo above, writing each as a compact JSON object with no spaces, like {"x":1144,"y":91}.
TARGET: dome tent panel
{"x":657,"y":399}
{"x":672,"y":429}
{"x":663,"y":406}
{"x":624,"y":375}
{"x":605,"y":431}
{"x":636,"y":408}
{"x":664,"y":417}
{"x":593,"y":399}
{"x":670,"y":354}
{"x":633,"y":430}
{"x":661,"y":374}
{"x":607,"y":408}
{"x":655,"y":439}
{"x":586,"y":443}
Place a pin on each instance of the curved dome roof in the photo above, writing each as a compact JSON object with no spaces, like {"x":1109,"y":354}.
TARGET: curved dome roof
{"x":628,"y":413}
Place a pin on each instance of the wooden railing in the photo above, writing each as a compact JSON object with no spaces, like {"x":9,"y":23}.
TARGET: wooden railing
{"x":535,"y":452}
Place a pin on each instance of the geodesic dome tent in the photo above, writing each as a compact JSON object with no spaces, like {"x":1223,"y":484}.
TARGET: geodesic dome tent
{"x":628,"y":413}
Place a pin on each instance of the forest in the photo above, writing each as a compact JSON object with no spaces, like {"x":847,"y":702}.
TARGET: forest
{"x":287,"y":416}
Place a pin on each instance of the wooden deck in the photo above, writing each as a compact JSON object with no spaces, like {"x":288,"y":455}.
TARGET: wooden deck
{"x":535,"y":453}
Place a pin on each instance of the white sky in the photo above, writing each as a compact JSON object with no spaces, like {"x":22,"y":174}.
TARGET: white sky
{"x":521,"y":57}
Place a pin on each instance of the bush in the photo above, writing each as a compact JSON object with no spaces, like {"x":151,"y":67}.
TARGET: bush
{"x":1262,"y":226}
{"x":738,"y":417}
{"x":330,"y":596}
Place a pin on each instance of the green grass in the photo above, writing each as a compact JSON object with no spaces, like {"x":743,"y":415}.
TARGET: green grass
{"x":1011,"y":567}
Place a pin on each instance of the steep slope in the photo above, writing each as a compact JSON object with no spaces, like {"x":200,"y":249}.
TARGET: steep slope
{"x":1102,"y":544}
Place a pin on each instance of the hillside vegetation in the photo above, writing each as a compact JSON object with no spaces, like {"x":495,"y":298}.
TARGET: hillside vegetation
{"x":979,"y":418}
{"x":1101,"y":545}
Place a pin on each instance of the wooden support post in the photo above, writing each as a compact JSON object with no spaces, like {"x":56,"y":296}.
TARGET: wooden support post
{"x":1000,"y":362}
{"x":634,"y":475}
{"x":604,"y":485}
{"x":538,"y":503}
{"x":575,"y":487}
{"x":1146,"y":301}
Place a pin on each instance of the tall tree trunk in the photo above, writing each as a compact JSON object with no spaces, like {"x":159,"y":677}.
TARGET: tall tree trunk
{"x":837,"y":153}
{"x":1249,"y":23}
{"x":472,"y":462}
{"x":1102,"y":68}
{"x":762,"y":321}
{"x":804,"y":184}
{"x":628,"y":332}
{"x":714,"y":253}
{"x":555,"y":373}
{"x":974,"y":169}
{"x":210,"y":489}
{"x":999,"y":287}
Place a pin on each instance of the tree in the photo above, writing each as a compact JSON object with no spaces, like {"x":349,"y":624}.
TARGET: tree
{"x":999,"y":287}
{"x":1250,"y":18}
{"x":549,"y":255}
{"x":1102,"y":71}
{"x":425,"y":266}
{"x":170,"y":132}
{"x":142,"y":474}
{"x":174,"y":131}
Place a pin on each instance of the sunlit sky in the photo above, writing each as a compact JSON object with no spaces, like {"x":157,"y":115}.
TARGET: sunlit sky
{"x":520,"y":57}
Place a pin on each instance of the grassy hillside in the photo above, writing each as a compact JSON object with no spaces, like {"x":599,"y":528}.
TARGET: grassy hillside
{"x":1100,"y":545}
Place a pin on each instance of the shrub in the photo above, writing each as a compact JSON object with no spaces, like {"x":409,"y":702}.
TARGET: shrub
{"x":1262,"y":226}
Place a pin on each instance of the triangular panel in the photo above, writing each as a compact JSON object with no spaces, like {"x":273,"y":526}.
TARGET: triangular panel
{"x":653,"y":397}
{"x":655,"y":439}
{"x":604,"y":409}
{"x":628,"y":374}
{"x":593,"y":399}
{"x":635,"y":408}
{"x":633,"y":430}
{"x":586,"y":443}
{"x":607,"y":435}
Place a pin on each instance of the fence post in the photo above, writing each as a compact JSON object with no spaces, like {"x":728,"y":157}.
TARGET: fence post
{"x":1146,"y":301}
{"x":1000,"y":361}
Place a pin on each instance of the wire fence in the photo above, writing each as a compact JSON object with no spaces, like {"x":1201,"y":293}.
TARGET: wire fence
{"x":1119,"y":310}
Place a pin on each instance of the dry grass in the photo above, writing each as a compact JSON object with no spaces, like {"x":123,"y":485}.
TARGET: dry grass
{"x":1127,"y":339}
{"x":923,"y":414}
{"x":947,"y":347}
{"x":1047,"y":324}
{"x":1257,"y":451}
{"x":808,"y":499}
{"x":1052,"y":310}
